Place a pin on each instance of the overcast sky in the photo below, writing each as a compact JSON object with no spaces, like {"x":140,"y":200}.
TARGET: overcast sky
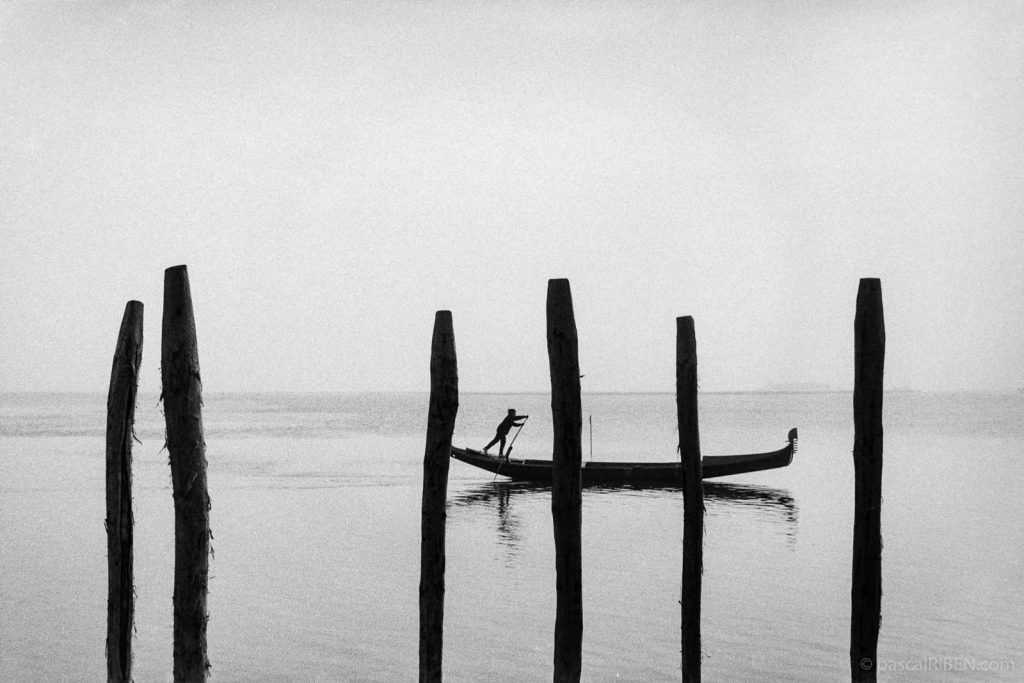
{"x":334,"y":173}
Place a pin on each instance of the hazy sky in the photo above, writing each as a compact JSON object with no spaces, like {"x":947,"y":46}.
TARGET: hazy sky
{"x":333,"y":173}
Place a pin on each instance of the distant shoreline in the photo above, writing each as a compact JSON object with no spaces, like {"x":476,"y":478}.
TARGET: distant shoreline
{"x":473,"y":392}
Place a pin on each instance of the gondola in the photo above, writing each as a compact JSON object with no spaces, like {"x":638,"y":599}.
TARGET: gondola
{"x":631,"y":473}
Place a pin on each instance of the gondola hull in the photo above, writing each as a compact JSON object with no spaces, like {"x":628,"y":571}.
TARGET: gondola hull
{"x":632,"y":473}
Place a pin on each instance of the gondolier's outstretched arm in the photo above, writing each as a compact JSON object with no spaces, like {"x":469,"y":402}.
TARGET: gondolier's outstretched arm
{"x":511,"y":420}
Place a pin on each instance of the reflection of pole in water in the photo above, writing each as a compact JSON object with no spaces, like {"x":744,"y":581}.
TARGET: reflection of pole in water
{"x":499,"y":496}
{"x":505,"y":521}
{"x":503,"y":504}
{"x":508,"y":525}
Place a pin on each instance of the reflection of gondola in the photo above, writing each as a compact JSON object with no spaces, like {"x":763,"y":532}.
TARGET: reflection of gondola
{"x":758,"y":497}
{"x":502,"y":493}
{"x":632,"y":473}
{"x":776,"y":504}
{"x":486,"y":494}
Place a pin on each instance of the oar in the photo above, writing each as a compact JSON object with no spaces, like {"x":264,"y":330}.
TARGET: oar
{"x":508,"y":453}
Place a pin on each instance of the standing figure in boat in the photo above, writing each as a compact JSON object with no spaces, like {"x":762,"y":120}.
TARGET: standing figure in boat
{"x":511,"y":420}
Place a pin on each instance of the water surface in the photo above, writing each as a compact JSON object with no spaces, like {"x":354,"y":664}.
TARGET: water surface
{"x":316,"y":538}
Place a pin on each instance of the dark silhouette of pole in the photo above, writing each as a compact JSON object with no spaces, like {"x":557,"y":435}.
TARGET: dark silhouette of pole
{"x":444,"y":405}
{"x":124,"y":386}
{"x":866,"y":592}
{"x":566,"y":494}
{"x":693,"y":495}
{"x":182,"y":397}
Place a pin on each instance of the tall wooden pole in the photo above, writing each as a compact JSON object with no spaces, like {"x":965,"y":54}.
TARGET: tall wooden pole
{"x":693,"y":495}
{"x":182,"y":396}
{"x":566,"y":493}
{"x":866,"y":592}
{"x":444,"y":406}
{"x":124,"y":386}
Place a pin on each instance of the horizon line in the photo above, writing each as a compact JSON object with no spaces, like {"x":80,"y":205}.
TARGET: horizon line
{"x":491,"y":392}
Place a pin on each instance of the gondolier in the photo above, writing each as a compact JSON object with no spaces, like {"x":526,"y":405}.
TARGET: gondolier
{"x":511,"y":420}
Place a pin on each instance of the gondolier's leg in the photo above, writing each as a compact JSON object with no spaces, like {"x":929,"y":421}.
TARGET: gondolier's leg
{"x":494,"y":441}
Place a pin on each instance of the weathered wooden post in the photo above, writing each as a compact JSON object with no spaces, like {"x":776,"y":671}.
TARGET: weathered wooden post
{"x":866,"y":592}
{"x":444,"y":405}
{"x":124,"y":386}
{"x":693,"y":495}
{"x":566,"y":493}
{"x":182,"y":396}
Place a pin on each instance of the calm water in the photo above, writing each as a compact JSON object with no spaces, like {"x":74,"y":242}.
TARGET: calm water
{"x":316,"y":538}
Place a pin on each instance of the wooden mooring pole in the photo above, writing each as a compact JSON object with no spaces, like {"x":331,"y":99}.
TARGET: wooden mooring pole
{"x":182,"y":397}
{"x":866,"y":592}
{"x":444,"y":406}
{"x":566,"y":492}
{"x":124,"y":386}
{"x":693,"y":496}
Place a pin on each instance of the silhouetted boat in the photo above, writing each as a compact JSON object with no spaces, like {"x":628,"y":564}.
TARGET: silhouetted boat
{"x":632,"y":473}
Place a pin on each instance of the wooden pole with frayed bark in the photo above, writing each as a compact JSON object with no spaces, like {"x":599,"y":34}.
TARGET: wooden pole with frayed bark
{"x":693,"y":496}
{"x":444,"y":406}
{"x":866,"y":590}
{"x":182,"y":397}
{"x":566,"y":491}
{"x":124,"y":387}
